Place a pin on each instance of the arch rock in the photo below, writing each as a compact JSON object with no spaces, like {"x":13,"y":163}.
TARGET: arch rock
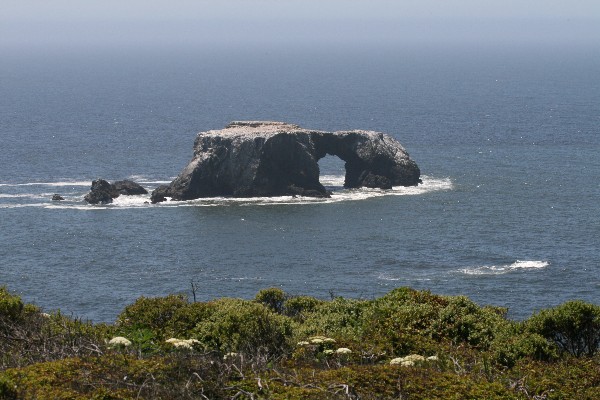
{"x":267,"y":158}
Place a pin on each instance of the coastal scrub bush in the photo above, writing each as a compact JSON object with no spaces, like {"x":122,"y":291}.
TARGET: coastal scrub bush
{"x":514,"y":343}
{"x":152,"y":313}
{"x":282,"y":303}
{"x":407,"y":320}
{"x":237,"y":325}
{"x":574,"y":326}
{"x":170,"y":316}
{"x":398,"y":323}
{"x":566,"y":378}
{"x":28,"y":336}
{"x":338,"y":318}
{"x":35,"y":337}
{"x":463,"y":321}
{"x":274,"y":298}
{"x":120,"y":376}
{"x":298,"y":307}
{"x":11,"y":305}
{"x":8,"y":389}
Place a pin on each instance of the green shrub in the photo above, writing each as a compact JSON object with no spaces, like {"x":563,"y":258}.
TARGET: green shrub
{"x":574,"y":326}
{"x":244,"y":326}
{"x":399,"y":329}
{"x":339,"y":318}
{"x":170,"y":316}
{"x":298,"y":307}
{"x":406,"y":295}
{"x":121,"y":376}
{"x":565,"y":378}
{"x":406,"y":320}
{"x":8,"y":389}
{"x":463,"y":321}
{"x":406,"y":309}
{"x":274,"y":298}
{"x":514,"y":343}
{"x":153,"y":313}
{"x":11,"y":306}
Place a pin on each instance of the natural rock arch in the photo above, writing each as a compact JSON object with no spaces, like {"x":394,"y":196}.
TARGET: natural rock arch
{"x":265,"y":158}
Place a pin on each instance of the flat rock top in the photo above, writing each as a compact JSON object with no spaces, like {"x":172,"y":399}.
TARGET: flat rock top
{"x":270,"y":128}
{"x":254,"y":128}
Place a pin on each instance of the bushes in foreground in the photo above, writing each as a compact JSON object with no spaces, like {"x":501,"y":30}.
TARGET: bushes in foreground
{"x":28,"y":336}
{"x":282,"y":346}
{"x":573,"y":326}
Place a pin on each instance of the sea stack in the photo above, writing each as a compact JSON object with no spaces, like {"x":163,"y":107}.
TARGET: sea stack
{"x":267,"y":158}
{"x":103,"y":192}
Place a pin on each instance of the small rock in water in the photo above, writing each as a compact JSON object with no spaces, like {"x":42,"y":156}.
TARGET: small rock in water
{"x":57,"y":197}
{"x":128,"y":187}
{"x":101,"y":192}
{"x":104,"y":192}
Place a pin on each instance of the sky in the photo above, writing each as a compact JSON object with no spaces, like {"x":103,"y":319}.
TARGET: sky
{"x":30,"y":23}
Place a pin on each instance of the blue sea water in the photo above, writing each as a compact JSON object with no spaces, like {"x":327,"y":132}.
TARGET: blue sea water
{"x":507,"y":139}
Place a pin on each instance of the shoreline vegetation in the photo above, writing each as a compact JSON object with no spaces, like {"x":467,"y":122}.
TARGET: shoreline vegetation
{"x":407,"y":344}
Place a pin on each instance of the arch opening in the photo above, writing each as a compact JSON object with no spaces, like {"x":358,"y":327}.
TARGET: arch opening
{"x":332,"y":172}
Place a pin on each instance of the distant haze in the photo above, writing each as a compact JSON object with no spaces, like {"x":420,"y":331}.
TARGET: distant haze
{"x":33,"y":23}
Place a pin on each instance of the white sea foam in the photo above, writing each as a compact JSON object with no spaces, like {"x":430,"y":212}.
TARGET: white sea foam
{"x":19,"y":196}
{"x":119,"y":203}
{"x":7,"y":206}
{"x":53,"y":184}
{"x":131,"y":201}
{"x":334,"y":183}
{"x":386,"y":276}
{"x":504,"y":269}
{"x":332,"y":180}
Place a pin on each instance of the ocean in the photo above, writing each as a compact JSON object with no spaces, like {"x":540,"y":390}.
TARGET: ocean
{"x":507,"y":139}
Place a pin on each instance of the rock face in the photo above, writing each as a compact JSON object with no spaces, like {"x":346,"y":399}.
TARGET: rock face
{"x":104,"y":192}
{"x":128,"y":187}
{"x":101,"y":192}
{"x":265,"y":158}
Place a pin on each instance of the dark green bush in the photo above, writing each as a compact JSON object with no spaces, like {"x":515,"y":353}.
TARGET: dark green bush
{"x":574,"y":326}
{"x":292,"y":306}
{"x":11,"y":306}
{"x":8,"y":389}
{"x":406,"y":320}
{"x":274,"y":298}
{"x":153,"y":313}
{"x":237,"y":325}
{"x":514,"y":343}
{"x":170,"y":316}
{"x":122,"y":376}
{"x":406,"y":308}
{"x":463,"y":321}
{"x":298,"y":307}
{"x":339,"y":318}
{"x":399,"y":327}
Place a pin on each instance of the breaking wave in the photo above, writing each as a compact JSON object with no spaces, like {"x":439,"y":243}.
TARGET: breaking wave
{"x":504,"y":269}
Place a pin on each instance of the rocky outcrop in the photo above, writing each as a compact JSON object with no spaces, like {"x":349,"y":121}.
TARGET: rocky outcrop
{"x":264,"y":158}
{"x":103,"y":192}
{"x":57,"y":197}
{"x":128,"y":187}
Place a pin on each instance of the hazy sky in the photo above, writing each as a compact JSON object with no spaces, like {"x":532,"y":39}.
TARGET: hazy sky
{"x":185,"y":22}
